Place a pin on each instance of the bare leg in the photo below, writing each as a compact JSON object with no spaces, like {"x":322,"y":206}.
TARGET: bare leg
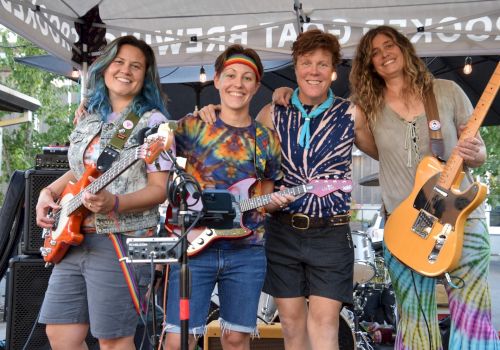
{"x":173,"y":342}
{"x":232,"y":340}
{"x":293,"y":318}
{"x":67,"y":336}
{"x":122,"y":343}
{"x":323,"y":323}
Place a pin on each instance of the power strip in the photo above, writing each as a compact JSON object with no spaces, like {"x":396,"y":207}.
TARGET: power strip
{"x":153,"y":249}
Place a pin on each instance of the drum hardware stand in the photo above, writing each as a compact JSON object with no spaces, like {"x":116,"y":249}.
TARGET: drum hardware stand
{"x":268,"y":315}
{"x":362,"y":339}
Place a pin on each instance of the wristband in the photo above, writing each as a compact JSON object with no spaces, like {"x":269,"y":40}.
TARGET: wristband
{"x":117,"y":204}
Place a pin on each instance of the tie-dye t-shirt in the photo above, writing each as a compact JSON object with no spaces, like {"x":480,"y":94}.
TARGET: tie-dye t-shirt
{"x":220,"y":155}
{"x":329,"y":157}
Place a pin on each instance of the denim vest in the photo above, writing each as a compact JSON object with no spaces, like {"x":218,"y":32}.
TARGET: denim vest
{"x":131,"y":180}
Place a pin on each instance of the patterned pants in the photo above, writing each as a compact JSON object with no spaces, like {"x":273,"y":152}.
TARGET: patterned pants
{"x":470,"y":305}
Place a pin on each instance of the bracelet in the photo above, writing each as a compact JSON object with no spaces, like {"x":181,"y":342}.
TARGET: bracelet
{"x":117,"y":204}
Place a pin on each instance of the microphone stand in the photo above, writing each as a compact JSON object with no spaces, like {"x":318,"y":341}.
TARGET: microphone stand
{"x":184,"y":292}
{"x":184,"y":218}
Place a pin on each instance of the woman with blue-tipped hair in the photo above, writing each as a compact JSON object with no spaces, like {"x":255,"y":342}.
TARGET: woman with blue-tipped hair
{"x":87,"y":287}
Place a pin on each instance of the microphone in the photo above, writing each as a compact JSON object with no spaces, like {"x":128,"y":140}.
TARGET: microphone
{"x":190,"y":187}
{"x":192,"y":190}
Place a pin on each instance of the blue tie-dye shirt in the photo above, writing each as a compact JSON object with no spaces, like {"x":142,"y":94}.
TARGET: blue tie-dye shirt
{"x":329,"y":155}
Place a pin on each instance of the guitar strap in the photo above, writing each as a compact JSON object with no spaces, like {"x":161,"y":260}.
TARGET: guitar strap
{"x":106,"y":158}
{"x":127,"y":273}
{"x":261,"y":142}
{"x":115,"y":145}
{"x":432,"y":113}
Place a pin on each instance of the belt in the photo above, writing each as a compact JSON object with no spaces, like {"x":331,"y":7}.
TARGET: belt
{"x":304,"y":222}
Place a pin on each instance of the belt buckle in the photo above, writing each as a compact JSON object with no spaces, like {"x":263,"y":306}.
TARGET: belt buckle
{"x":302,"y":216}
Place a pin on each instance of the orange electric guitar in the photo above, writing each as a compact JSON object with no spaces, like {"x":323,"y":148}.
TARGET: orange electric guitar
{"x":66,"y":230}
{"x":201,"y":237}
{"x":425,"y":232}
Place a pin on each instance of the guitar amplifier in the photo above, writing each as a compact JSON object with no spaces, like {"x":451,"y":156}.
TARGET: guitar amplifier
{"x":35,"y":181}
{"x":27,"y":281}
{"x":270,"y":337}
{"x":51,"y":161}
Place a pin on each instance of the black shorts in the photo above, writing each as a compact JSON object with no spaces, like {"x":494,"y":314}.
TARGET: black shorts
{"x":308,"y":262}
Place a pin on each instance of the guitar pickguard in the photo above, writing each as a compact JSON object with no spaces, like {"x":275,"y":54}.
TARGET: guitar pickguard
{"x":443,"y":205}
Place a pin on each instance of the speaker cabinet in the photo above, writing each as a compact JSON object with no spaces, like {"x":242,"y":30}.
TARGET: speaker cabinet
{"x":27,"y":281}
{"x":35,"y":181}
{"x":271,"y":337}
{"x":11,"y":219}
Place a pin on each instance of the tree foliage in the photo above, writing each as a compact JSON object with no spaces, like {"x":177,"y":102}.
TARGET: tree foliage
{"x":54,"y":118}
{"x":489,"y":170}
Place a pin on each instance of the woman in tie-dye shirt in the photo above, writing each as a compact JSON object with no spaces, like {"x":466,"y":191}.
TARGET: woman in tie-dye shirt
{"x":235,"y":148}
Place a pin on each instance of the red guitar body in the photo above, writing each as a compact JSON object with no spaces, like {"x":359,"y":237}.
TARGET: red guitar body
{"x":67,"y":232}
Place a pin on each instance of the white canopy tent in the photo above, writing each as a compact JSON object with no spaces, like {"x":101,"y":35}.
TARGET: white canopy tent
{"x":189,"y":33}
{"x":194,"y":32}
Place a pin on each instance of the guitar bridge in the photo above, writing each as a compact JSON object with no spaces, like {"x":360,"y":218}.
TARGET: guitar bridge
{"x":440,"y":240}
{"x":423,"y":224}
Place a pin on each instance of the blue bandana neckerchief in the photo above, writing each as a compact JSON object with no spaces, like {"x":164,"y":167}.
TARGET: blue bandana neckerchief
{"x":305,"y":133}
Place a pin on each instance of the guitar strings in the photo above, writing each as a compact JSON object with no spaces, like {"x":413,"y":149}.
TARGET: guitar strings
{"x":76,"y":202}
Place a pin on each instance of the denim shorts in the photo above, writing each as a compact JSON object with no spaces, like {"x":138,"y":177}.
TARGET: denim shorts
{"x":239,"y":274}
{"x":88,"y":286}
{"x":317,"y":261}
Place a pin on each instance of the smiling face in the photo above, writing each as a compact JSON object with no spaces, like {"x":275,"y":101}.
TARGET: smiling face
{"x":237,"y":84}
{"x":386,"y":56}
{"x":124,"y":77}
{"x":314,"y":76}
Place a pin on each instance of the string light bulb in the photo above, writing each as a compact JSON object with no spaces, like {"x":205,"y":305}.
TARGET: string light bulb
{"x":203,"y":75}
{"x":75,"y":73}
{"x":334,"y":76}
{"x":468,"y":65}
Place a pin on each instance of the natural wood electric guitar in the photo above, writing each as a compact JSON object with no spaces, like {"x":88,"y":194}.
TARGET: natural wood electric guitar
{"x":66,"y":230}
{"x":202,"y":237}
{"x":425,"y":232}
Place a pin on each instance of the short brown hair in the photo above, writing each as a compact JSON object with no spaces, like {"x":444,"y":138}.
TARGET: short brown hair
{"x":314,"y":39}
{"x":237,"y":49}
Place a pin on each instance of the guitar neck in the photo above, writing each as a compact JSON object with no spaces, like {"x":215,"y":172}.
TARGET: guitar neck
{"x":105,"y":179}
{"x":260,"y":201}
{"x":455,"y":162}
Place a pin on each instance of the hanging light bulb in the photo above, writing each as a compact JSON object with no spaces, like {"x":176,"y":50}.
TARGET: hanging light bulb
{"x":468,"y":65}
{"x":75,"y":73}
{"x":203,"y":75}
{"x":334,"y":76}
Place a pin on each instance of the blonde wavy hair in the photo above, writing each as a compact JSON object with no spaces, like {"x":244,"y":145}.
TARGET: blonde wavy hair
{"x":367,"y":87}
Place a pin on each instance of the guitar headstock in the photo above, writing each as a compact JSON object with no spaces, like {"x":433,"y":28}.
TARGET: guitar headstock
{"x":159,"y":141}
{"x":322,"y":187}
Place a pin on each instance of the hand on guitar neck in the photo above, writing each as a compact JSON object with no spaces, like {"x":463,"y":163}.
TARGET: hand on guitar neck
{"x":101,"y":202}
{"x":279,"y":200}
{"x":471,"y":149}
{"x":201,"y":237}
